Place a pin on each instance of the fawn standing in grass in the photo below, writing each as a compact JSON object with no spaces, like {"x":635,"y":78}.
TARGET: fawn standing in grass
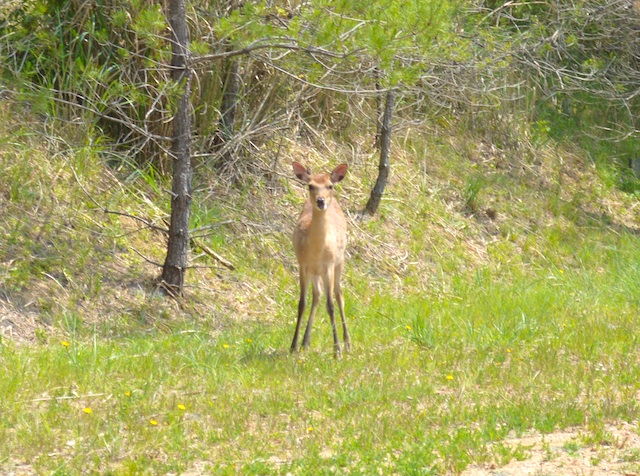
{"x":319,"y":239}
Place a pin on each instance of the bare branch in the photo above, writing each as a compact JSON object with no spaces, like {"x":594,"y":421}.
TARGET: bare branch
{"x":142,"y":220}
{"x":271,"y":43}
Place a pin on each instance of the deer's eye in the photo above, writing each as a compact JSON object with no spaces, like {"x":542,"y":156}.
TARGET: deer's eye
{"x":312,"y":188}
{"x":330,"y":187}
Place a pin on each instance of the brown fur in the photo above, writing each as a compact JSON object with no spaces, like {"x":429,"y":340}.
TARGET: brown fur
{"x":319,"y":240}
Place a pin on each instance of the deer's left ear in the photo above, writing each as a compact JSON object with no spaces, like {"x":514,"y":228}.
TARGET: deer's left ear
{"x":301,"y":172}
{"x":339,"y":173}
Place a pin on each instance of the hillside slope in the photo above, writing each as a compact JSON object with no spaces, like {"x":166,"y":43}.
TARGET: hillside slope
{"x":454,"y":203}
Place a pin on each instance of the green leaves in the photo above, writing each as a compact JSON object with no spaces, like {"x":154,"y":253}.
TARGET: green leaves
{"x":149,"y":25}
{"x":379,"y":32}
{"x":384,"y":30}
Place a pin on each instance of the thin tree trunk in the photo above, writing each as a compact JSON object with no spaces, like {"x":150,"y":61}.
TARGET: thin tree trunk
{"x":228,"y":108}
{"x":176,"y":260}
{"x":385,"y":148}
{"x":230,"y":99}
{"x":379,"y":110}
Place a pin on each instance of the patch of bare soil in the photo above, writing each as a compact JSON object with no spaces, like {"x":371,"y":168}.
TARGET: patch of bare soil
{"x":571,"y":453}
{"x":13,"y":468}
{"x":17,"y":326}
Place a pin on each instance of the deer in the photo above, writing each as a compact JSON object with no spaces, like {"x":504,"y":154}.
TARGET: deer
{"x":319,"y":240}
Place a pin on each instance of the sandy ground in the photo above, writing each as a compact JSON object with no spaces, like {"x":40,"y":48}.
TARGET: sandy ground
{"x":571,"y":453}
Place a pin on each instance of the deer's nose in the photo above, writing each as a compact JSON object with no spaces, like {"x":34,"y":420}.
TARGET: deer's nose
{"x":322,"y":204}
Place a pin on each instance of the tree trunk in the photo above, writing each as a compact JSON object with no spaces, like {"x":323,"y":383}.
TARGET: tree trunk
{"x":379,"y":109}
{"x":385,"y":148}
{"x":228,"y":107}
{"x":176,"y":260}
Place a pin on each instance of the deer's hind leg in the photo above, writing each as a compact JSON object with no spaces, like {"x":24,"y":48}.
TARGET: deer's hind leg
{"x":328,"y":281}
{"x":337,"y":290}
{"x":315,"y":283}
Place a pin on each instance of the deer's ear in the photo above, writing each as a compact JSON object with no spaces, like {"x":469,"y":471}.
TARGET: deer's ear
{"x":339,"y":173}
{"x":301,"y":172}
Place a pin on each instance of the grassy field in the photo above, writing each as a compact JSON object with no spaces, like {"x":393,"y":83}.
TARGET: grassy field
{"x":491,"y":298}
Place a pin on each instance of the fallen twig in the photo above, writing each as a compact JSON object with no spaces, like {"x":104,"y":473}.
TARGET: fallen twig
{"x":226,"y":263}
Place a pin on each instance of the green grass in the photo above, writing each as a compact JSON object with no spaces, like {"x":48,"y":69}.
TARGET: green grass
{"x":432,"y":381}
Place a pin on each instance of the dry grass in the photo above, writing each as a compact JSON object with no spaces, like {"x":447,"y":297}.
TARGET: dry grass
{"x":425,"y":198}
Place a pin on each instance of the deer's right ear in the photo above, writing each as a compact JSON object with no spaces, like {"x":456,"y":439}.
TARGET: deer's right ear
{"x":301,"y":172}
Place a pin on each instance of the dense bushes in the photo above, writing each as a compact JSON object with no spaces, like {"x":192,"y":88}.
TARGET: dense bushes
{"x":270,"y":68}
